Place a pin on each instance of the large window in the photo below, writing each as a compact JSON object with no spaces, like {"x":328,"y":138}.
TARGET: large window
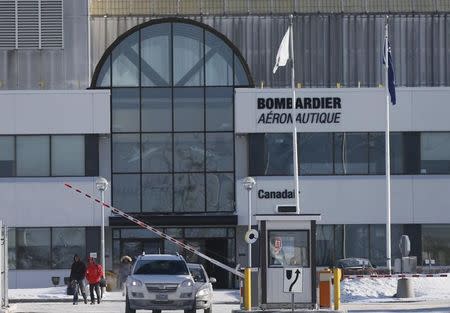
{"x":44,"y":155}
{"x":288,"y":248}
{"x":44,"y":248}
{"x":33,"y":248}
{"x":172,"y":88}
{"x":411,"y":153}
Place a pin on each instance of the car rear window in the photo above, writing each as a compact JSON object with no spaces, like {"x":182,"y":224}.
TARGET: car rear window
{"x":161,"y":267}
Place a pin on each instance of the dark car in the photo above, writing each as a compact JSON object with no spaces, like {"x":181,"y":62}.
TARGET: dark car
{"x":356,"y":266}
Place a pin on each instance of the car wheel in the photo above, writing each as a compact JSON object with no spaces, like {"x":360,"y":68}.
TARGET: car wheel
{"x":208,"y":310}
{"x":127,"y":307}
{"x":190,"y":311}
{"x":156,"y":311}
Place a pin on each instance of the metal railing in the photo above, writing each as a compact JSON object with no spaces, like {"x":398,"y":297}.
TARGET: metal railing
{"x":261,"y":7}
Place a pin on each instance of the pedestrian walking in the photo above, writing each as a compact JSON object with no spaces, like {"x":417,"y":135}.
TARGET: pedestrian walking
{"x":94,"y":273}
{"x":77,"y":273}
{"x":124,"y":271}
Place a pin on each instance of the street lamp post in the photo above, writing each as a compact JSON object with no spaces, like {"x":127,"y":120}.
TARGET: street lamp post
{"x":249,"y":183}
{"x":102,"y":184}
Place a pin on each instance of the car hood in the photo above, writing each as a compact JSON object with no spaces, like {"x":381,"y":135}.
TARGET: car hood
{"x":162,"y":279}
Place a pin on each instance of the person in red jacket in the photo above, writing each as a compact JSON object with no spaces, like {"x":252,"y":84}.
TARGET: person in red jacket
{"x":94,"y":273}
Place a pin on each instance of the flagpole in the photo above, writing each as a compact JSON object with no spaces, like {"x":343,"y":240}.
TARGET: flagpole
{"x":294,"y":122}
{"x":387,"y":149}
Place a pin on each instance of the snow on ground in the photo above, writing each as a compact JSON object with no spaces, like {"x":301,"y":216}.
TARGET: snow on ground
{"x":362,"y":290}
{"x":384,"y":289}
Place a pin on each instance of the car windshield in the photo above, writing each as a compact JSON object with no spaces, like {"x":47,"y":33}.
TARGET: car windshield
{"x":354,"y":263}
{"x":198,"y":274}
{"x":161,"y":267}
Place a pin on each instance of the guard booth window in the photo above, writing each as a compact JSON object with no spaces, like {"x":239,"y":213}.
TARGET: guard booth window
{"x":288,"y":248}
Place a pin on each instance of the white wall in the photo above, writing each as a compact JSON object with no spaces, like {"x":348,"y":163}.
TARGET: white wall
{"x":42,"y":202}
{"x":35,"y":278}
{"x":363,"y":109}
{"x":356,"y":199}
{"x":54,"y":112}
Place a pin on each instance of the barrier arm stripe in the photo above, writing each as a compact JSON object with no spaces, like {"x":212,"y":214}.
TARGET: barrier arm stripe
{"x":160,"y":233}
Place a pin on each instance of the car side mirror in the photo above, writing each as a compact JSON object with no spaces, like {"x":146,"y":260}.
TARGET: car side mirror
{"x":212,"y":280}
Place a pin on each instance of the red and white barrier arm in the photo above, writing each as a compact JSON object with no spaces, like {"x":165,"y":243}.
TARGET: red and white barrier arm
{"x":394,"y":276}
{"x":158,"y":232}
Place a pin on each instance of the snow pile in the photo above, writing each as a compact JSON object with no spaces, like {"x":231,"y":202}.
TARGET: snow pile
{"x":384,"y":289}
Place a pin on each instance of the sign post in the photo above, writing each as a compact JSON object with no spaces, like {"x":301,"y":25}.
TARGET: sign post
{"x":292,"y":282}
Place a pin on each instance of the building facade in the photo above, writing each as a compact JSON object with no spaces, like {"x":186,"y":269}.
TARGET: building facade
{"x":175,"y":103}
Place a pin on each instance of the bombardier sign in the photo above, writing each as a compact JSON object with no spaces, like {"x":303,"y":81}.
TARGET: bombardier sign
{"x":272,"y":110}
{"x":330,"y":110}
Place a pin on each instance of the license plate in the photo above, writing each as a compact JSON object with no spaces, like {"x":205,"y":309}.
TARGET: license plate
{"x":161,"y":297}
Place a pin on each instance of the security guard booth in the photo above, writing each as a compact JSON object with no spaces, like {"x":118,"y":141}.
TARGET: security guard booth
{"x":287,"y":260}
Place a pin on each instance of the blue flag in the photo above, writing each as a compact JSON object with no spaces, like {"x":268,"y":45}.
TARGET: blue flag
{"x":391,"y":76}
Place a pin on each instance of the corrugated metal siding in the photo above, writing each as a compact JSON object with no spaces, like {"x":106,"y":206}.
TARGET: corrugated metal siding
{"x":263,"y":7}
{"x":65,"y":68}
{"x":329,"y":48}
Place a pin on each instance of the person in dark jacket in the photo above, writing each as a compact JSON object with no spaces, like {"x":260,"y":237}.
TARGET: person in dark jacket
{"x":77,"y":273}
{"x":94,"y":272}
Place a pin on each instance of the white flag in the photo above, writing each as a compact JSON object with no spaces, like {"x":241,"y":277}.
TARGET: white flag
{"x":283,"y":51}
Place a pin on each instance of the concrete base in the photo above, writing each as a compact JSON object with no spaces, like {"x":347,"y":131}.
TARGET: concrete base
{"x":405,"y":288}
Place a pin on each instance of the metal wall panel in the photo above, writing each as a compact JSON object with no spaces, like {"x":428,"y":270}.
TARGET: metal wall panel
{"x":330,"y":49}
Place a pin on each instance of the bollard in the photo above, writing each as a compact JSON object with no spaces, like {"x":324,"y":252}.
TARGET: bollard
{"x":325,"y":288}
{"x":337,"y":288}
{"x":248,"y":289}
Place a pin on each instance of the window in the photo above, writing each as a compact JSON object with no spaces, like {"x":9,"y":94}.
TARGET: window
{"x":189,"y":153}
{"x":68,"y":155}
{"x":126,"y":192}
{"x":435,"y":153}
{"x":156,"y":63}
{"x":219,"y":152}
{"x":189,"y":193}
{"x":219,"y":109}
{"x":56,"y":155}
{"x":188,"y":109}
{"x":157,"y":153}
{"x":125,"y":62}
{"x":125,"y":110}
{"x":66,"y":242}
{"x":436,"y":243}
{"x":316,"y":153}
{"x":127,"y":150}
{"x":12,"y":248}
{"x":377,"y":154}
{"x":172,"y":118}
{"x":325,"y":243}
{"x":187,"y":55}
{"x":219,"y":61}
{"x":220,"y":192}
{"x":356,"y":241}
{"x":288,"y":248}
{"x":7,"y":157}
{"x":33,"y":248}
{"x":156,"y":109}
{"x":33,"y":156}
{"x":157,"y":193}
{"x":351,"y":153}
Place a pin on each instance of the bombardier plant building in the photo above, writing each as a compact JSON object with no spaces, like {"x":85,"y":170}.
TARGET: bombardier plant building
{"x":174,"y":103}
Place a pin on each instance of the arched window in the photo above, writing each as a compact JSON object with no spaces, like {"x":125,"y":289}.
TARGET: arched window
{"x":172,"y":117}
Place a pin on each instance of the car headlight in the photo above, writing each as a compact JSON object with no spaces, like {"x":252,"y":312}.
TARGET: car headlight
{"x":202,"y":292}
{"x":187,"y":283}
{"x":135,"y":283}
